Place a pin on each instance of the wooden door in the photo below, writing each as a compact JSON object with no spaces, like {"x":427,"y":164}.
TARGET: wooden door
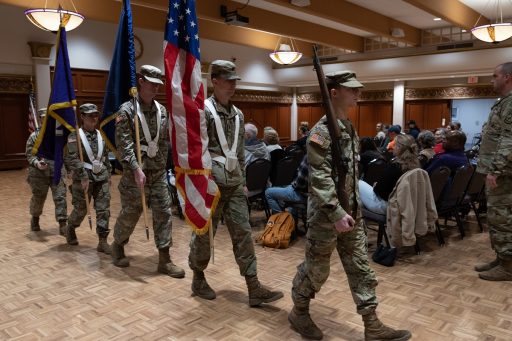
{"x":13,"y":130}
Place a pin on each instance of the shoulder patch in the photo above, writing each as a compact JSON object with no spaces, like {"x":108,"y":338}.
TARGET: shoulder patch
{"x":72,"y":139}
{"x":318,"y":139}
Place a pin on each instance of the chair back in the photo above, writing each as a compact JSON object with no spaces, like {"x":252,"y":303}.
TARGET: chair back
{"x":257,"y":174}
{"x":476,"y":185}
{"x":459,"y":185}
{"x":285,"y":171}
{"x":275,"y":156}
{"x":374,"y":171}
{"x":296,"y":151}
{"x":438,"y":179}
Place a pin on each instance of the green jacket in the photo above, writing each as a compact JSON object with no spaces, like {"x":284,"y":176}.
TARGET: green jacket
{"x":323,"y":204}
{"x":125,"y":136}
{"x":73,"y":163}
{"x":33,"y":170}
{"x":495,"y":155}
{"x":227,"y":116}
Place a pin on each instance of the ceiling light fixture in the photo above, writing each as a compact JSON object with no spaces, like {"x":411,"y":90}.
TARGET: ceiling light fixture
{"x":286,"y":54}
{"x":50,"y":19}
{"x":493,"y":33}
{"x":437,"y":19}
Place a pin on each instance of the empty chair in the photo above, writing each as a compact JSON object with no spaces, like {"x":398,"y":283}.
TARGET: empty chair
{"x":474,"y":194}
{"x":257,"y":174}
{"x":438,"y":180}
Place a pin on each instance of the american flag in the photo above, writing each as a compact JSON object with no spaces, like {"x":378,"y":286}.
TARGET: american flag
{"x":33,"y":124}
{"x":185,"y":97}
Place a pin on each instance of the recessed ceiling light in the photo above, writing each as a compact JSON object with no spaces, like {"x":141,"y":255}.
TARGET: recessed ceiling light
{"x":437,"y":19}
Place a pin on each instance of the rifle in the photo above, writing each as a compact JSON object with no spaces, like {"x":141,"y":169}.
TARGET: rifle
{"x":340,"y":160}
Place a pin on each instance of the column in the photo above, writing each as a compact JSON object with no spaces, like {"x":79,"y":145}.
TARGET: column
{"x":294,"y":116}
{"x":399,"y":103}
{"x":41,"y":71}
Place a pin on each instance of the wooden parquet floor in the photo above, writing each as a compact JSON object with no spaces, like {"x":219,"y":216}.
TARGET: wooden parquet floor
{"x":52,"y":291}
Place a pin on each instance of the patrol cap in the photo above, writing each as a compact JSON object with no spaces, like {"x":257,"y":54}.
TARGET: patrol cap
{"x":151,"y":74}
{"x":41,"y":112}
{"x":345,"y":78}
{"x":89,"y":108}
{"x":224,"y":69}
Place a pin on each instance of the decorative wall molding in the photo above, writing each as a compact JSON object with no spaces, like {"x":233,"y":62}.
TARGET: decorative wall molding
{"x":40,"y":50}
{"x":376,"y":95}
{"x":15,"y":84}
{"x":309,"y":98}
{"x":453,"y":92}
{"x":242,"y":95}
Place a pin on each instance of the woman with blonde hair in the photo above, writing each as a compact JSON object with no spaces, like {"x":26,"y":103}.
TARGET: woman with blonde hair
{"x":375,"y":196}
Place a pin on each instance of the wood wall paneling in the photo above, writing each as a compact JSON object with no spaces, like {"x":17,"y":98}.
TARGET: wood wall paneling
{"x":13,"y":130}
{"x":428,"y":114}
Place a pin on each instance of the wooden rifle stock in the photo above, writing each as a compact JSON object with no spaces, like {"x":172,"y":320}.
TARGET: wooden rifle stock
{"x":340,"y":161}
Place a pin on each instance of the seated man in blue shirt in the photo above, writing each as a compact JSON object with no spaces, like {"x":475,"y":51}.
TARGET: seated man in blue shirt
{"x":454,"y":156}
{"x":297,"y":191}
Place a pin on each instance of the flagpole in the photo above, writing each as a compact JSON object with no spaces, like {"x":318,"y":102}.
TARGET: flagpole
{"x":32,"y":109}
{"x":81,"y":154}
{"x":133,"y":93}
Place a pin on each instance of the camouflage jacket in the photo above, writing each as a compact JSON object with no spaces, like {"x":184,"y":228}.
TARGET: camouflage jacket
{"x":33,"y":158}
{"x":227,"y":117}
{"x":73,"y":163}
{"x":323,"y":203}
{"x":495,"y":155}
{"x":125,"y":136}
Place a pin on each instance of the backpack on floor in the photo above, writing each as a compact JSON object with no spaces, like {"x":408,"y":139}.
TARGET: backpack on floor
{"x":278,"y":231}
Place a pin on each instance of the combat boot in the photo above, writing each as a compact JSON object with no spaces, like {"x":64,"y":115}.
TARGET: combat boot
{"x":374,"y":329}
{"x":62,"y":227}
{"x":201,"y":288}
{"x":71,"y":235}
{"x":34,"y":224}
{"x":502,"y":272}
{"x":118,"y":257}
{"x":487,"y":266}
{"x":258,"y":294}
{"x":166,"y":266}
{"x":103,"y":245}
{"x":301,"y":322}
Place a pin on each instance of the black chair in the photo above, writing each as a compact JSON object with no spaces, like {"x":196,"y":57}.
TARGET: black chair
{"x":453,"y":195}
{"x":284,"y":172}
{"x":257,"y":174}
{"x":475,"y":193}
{"x":374,"y":171}
{"x":438,"y":179}
{"x":381,"y":221}
{"x":275,"y":156}
{"x":295,"y":151}
{"x":302,"y":211}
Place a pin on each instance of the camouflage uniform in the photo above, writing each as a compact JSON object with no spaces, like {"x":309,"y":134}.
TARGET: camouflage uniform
{"x":495,"y":157}
{"x":98,"y":183}
{"x":324,"y":210}
{"x":233,"y":202}
{"x":40,"y":181}
{"x":156,"y":190}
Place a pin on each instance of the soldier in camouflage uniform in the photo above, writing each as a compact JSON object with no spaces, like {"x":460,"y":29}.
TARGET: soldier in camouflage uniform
{"x":40,"y":178}
{"x":150,"y":175}
{"x":91,"y":176}
{"x":495,"y":160}
{"x":229,"y":173}
{"x":331,"y":227}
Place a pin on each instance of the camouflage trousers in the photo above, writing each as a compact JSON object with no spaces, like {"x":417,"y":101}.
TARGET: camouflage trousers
{"x":100,"y":192}
{"x":39,"y":186}
{"x":499,"y":217}
{"x":157,"y":195}
{"x":352,"y":249}
{"x":233,"y":206}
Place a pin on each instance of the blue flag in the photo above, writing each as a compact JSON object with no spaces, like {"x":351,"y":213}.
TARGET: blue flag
{"x":60,"y":118}
{"x":121,"y":78}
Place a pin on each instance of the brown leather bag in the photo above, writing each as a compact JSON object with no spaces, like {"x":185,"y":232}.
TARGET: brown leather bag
{"x":278,"y":231}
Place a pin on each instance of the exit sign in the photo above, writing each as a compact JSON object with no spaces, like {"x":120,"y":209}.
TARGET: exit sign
{"x":472,"y":79}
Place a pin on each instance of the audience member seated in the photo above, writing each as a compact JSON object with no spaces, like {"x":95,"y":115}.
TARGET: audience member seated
{"x":457,"y":126}
{"x":376,"y":198}
{"x":381,"y":135}
{"x":414,"y":130}
{"x":367,"y":153}
{"x":393,"y":131}
{"x":271,"y":139}
{"x":454,"y":156}
{"x":303,"y":136}
{"x":297,"y":191}
{"x":440,"y":136}
{"x":254,"y":147}
{"x":426,"y":142}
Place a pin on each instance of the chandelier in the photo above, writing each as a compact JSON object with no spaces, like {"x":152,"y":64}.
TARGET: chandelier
{"x":286,"y":54}
{"x":50,"y":19}
{"x":493,"y":33}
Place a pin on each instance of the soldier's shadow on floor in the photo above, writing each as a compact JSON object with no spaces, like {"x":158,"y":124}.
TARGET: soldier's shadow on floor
{"x":38,"y":236}
{"x":242,"y":297}
{"x":141,"y":268}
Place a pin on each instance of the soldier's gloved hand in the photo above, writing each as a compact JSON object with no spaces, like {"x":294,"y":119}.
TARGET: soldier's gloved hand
{"x":345,"y":224}
{"x":140,"y":177}
{"x":85,"y":184}
{"x":41,"y":165}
